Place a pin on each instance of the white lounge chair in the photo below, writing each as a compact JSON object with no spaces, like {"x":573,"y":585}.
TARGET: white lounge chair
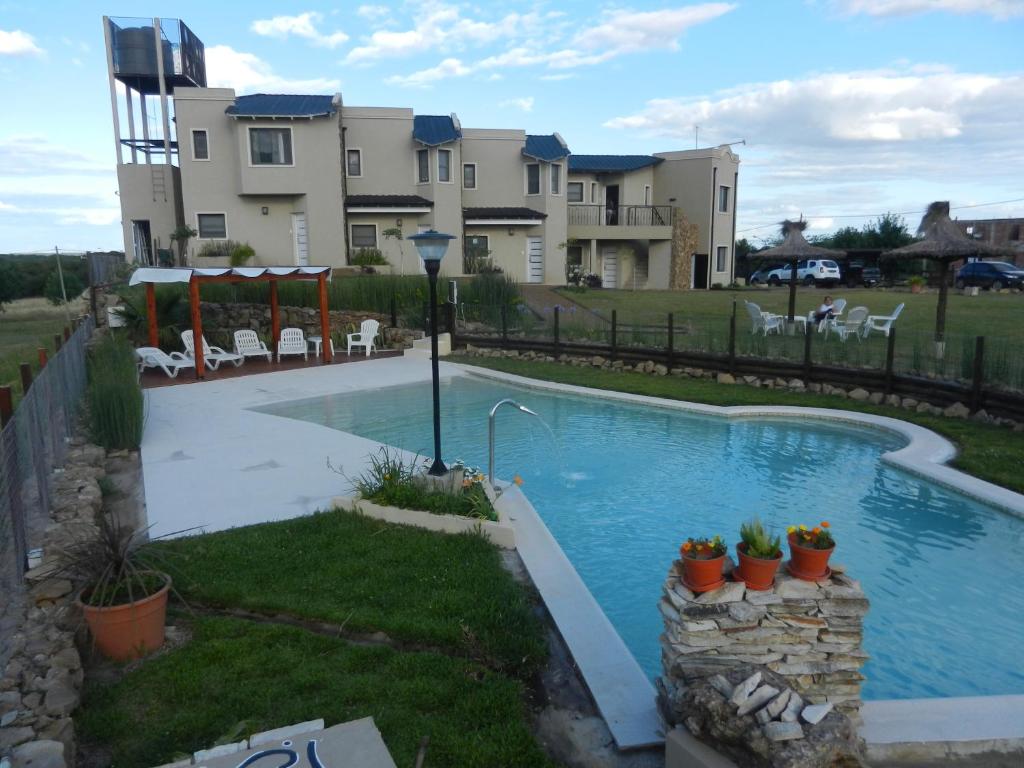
{"x":212,"y":356}
{"x":248,"y":344}
{"x":151,"y":357}
{"x":765,"y":322}
{"x":367,"y":333}
{"x":292,"y":342}
{"x":882,"y":323}
{"x":852,"y":324}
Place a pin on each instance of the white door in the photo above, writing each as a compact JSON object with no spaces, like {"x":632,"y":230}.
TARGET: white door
{"x":300,"y":239}
{"x":610,"y":267}
{"x":534,"y":260}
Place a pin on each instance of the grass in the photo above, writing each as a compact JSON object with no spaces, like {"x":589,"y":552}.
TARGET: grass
{"x":238,"y":677}
{"x":441,"y":591}
{"x":25,"y":326}
{"x":992,"y":453}
{"x":113,"y":396}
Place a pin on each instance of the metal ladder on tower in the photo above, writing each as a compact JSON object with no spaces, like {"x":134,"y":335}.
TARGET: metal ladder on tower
{"x":159,"y":181}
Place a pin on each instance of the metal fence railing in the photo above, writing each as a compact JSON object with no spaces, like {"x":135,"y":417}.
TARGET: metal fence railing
{"x":33,"y":442}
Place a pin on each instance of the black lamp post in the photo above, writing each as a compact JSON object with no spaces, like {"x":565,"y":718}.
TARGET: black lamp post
{"x":432,"y":246}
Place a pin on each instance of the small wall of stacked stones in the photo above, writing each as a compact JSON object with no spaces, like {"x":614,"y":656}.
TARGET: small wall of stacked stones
{"x":809,"y":633}
{"x":41,"y":683}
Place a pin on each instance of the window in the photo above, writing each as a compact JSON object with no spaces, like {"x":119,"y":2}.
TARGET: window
{"x":723,"y":199}
{"x":574,"y":190}
{"x":211,"y":226}
{"x":469,"y":175}
{"x":423,"y":166}
{"x":200,"y":145}
{"x":444,"y":165}
{"x":478,"y":254}
{"x":354,"y":162}
{"x":364,"y":235}
{"x":270,"y":146}
{"x":556,"y":179}
{"x":720,"y":258}
{"x":533,"y":179}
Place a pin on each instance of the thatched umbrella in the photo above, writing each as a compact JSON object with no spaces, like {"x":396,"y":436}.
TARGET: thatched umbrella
{"x":795,"y":248}
{"x":942,"y":241}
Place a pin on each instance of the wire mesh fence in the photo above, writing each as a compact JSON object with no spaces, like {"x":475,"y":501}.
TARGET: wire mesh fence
{"x":32,"y":444}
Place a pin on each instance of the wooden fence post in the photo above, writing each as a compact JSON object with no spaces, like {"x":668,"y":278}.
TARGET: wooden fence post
{"x":67,"y":333}
{"x":670,"y":352}
{"x":57,"y":343}
{"x":42,"y":357}
{"x":979,"y":373}
{"x":6,"y":406}
{"x":394,"y":313}
{"x":732,"y":339}
{"x":26,"y":377}
{"x":555,"y":329}
{"x":615,"y":333}
{"x":504,"y":324}
{"x":890,"y":357}
{"x":808,"y":332}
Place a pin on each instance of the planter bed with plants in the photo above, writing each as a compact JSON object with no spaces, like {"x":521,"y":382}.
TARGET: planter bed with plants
{"x":397,"y":491}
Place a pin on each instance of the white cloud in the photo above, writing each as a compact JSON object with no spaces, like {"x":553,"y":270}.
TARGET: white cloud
{"x":247,"y":73}
{"x":560,"y":76}
{"x":375,"y":14}
{"x":624,"y":31}
{"x":18,"y":43}
{"x":999,"y":9}
{"x":7,"y":206}
{"x":303,"y":25}
{"x":525,"y":104}
{"x":425,"y":77}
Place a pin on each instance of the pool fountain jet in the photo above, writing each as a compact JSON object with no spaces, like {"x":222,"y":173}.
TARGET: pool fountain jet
{"x":490,"y":432}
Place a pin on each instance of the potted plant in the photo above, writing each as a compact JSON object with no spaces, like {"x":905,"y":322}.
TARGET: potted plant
{"x":702,"y":563}
{"x":760,"y":555}
{"x":123,"y":598}
{"x":809,"y":551}
{"x":916,"y":283}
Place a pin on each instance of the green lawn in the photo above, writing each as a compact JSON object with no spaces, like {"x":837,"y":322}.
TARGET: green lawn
{"x":26,"y":325}
{"x":462,"y":640}
{"x":992,"y":453}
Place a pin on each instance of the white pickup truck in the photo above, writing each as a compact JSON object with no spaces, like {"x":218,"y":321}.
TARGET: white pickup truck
{"x":808,"y":272}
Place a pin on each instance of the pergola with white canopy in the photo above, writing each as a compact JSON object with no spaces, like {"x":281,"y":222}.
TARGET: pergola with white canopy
{"x":196,"y":276}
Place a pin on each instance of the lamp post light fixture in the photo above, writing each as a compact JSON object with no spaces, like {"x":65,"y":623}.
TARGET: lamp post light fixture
{"x":432,"y":246}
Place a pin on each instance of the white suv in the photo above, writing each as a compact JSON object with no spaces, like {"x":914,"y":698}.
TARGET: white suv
{"x":808,"y":272}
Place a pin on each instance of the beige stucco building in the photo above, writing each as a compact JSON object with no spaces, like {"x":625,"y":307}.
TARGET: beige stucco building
{"x":306,"y":179}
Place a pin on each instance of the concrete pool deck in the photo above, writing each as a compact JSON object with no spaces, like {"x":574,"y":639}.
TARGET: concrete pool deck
{"x":211,"y":463}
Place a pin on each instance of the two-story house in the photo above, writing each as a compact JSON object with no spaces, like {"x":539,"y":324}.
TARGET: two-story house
{"x":305,"y":179}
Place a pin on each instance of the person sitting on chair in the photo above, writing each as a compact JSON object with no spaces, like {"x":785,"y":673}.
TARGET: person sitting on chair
{"x":825,"y":311}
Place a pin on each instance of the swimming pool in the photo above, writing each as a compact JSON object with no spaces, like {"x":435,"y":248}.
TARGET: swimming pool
{"x":625,"y":483}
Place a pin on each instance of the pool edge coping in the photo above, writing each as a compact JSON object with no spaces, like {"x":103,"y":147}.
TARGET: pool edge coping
{"x":958,"y":725}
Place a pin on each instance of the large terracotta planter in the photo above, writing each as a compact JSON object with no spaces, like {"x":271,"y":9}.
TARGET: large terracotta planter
{"x":755,"y":572}
{"x":808,"y":563}
{"x":702,"y":575}
{"x":126,"y":632}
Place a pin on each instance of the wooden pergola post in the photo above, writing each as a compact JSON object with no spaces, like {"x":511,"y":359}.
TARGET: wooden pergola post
{"x":325,"y":318}
{"x":275,"y":318}
{"x":197,"y":326}
{"x":154,"y":336}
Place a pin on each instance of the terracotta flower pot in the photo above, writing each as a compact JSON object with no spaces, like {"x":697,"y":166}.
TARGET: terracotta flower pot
{"x":702,"y":575}
{"x":808,"y":563}
{"x":126,"y":632}
{"x":755,"y":572}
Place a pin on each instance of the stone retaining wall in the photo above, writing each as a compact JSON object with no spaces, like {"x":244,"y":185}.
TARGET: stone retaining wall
{"x":809,"y":633}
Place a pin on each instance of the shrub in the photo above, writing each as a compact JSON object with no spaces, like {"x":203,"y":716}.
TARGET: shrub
{"x":172,"y":314}
{"x":72,"y":287}
{"x":368,"y":257}
{"x":760,"y":542}
{"x":491,"y":289}
{"x":218,"y":249}
{"x":241,"y":254}
{"x":113,"y":398}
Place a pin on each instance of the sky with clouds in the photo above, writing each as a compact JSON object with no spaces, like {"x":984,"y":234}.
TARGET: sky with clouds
{"x":849,"y":108}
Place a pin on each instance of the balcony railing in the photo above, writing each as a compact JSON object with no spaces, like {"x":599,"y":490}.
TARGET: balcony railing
{"x":620,"y":215}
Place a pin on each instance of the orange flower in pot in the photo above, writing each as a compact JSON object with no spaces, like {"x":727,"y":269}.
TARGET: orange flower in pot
{"x":760,"y":555}
{"x":702,"y":563}
{"x":809,"y":551}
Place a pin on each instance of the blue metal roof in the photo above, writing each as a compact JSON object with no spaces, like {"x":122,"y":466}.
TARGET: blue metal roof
{"x":610,"y":163}
{"x":281,"y":105}
{"x":546,"y":148}
{"x":434,"y":130}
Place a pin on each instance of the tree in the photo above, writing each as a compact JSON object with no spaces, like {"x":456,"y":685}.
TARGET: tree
{"x":72,"y":287}
{"x":10,"y":283}
{"x":181,"y":235}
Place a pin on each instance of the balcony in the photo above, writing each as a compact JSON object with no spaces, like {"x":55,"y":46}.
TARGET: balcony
{"x":600,"y":222}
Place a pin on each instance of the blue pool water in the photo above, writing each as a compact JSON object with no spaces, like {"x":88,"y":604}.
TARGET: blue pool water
{"x":624,"y":484}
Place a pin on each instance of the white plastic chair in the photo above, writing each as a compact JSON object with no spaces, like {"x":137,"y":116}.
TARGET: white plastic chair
{"x":212,"y":356}
{"x":152,"y":357}
{"x":367,"y":333}
{"x":249,"y":344}
{"x":882,"y":323}
{"x":852,"y":325}
{"x":829,"y":322}
{"x":765,"y":322}
{"x":292,"y":342}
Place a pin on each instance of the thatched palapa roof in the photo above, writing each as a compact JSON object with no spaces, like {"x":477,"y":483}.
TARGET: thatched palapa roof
{"x":942,"y":239}
{"x":795,"y":247}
